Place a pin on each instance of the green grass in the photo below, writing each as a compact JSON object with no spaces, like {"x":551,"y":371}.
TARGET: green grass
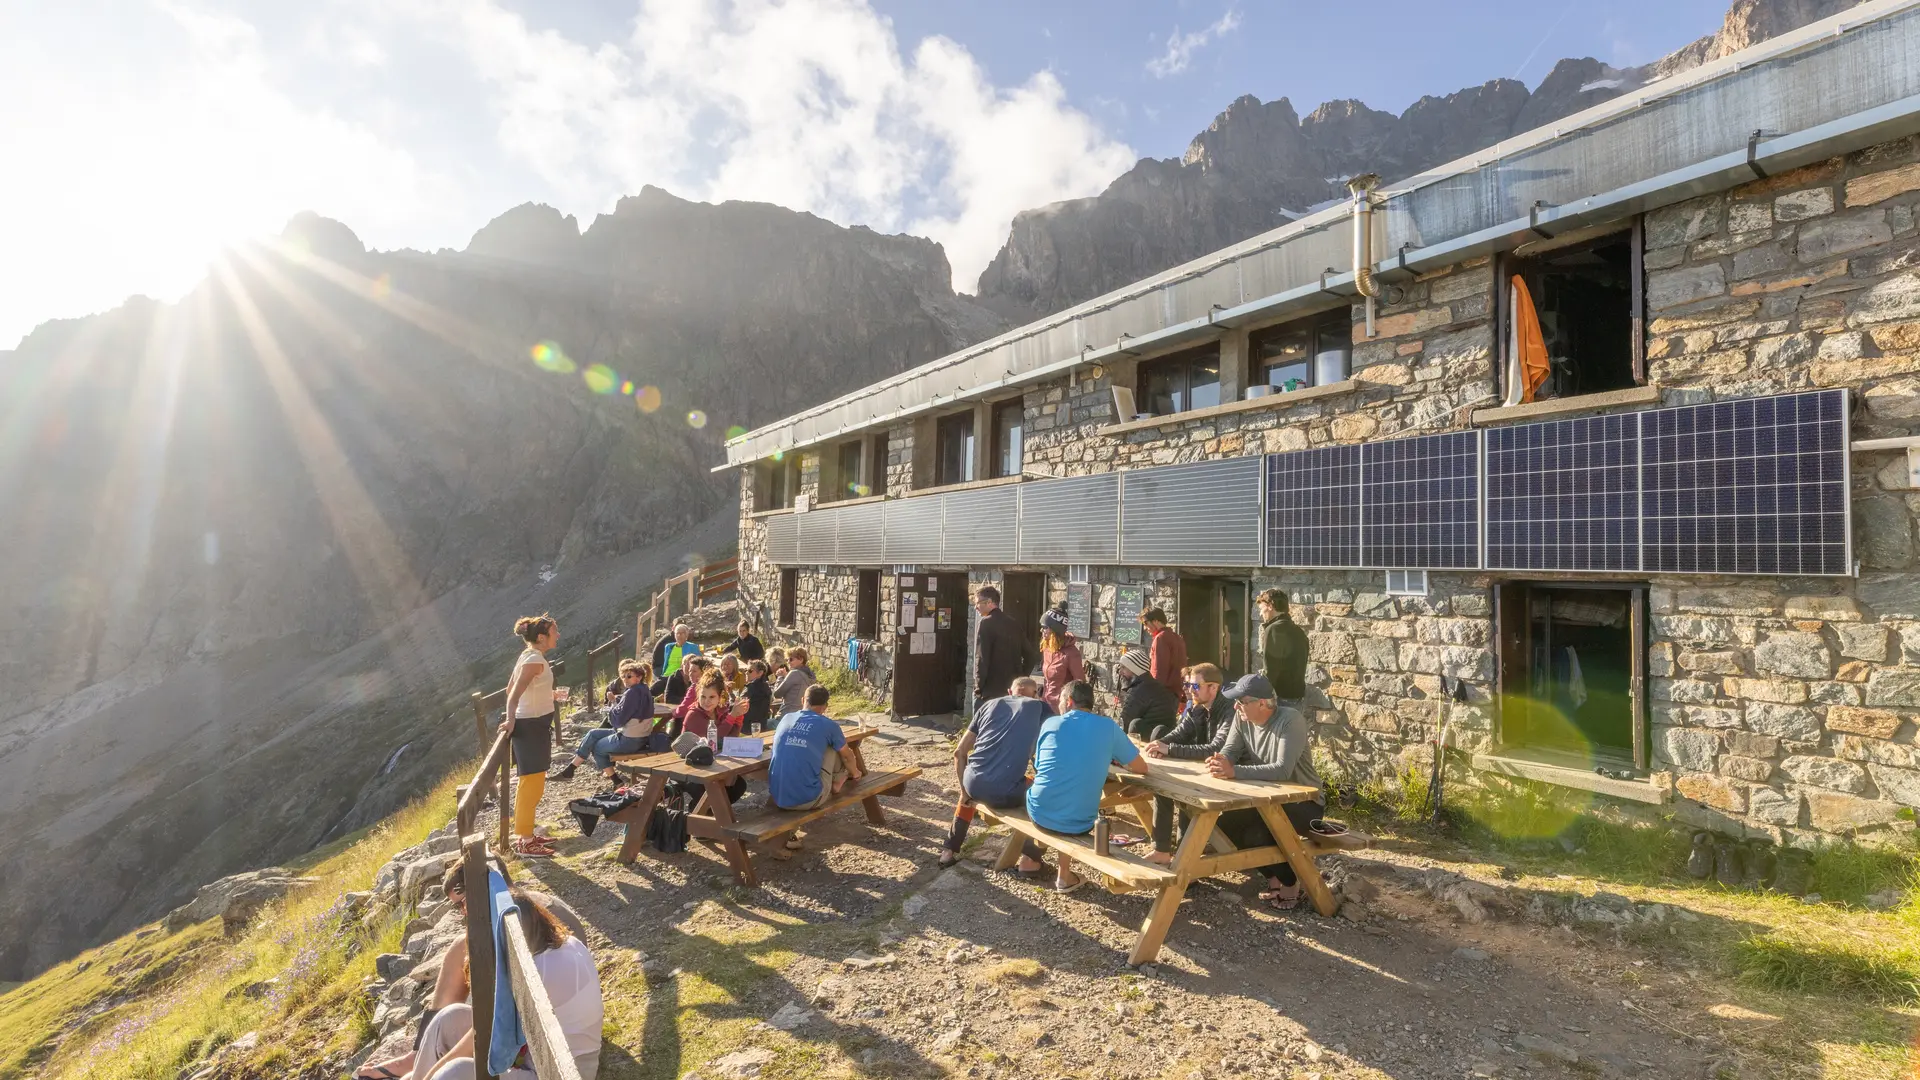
{"x":848,"y":694}
{"x":143,"y":1007}
{"x":1789,"y":959}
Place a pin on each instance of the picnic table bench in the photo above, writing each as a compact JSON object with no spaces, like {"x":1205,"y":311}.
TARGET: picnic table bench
{"x":1206,"y":797}
{"x":712,"y":817}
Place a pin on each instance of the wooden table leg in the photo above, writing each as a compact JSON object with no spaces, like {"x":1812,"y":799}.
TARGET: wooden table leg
{"x":875,"y":816}
{"x":636,"y":828}
{"x":737,"y":854}
{"x":1303,"y":865}
{"x":1193,"y":846}
{"x":1011,"y":853}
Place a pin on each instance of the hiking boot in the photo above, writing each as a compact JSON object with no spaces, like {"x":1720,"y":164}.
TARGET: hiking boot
{"x":564,"y":773}
{"x":1700,"y":860}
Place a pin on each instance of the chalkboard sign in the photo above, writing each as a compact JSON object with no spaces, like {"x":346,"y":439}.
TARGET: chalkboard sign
{"x":1128,"y":602}
{"x":1080,"y":610}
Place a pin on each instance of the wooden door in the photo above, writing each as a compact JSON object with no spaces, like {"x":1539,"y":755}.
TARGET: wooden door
{"x":1024,"y":596}
{"x":928,"y":681}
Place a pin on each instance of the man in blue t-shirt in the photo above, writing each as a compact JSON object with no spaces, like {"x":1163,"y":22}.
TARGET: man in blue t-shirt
{"x":1070,"y":771}
{"x":806,"y":771}
{"x":991,"y":760}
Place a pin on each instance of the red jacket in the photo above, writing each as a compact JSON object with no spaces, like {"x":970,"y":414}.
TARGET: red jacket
{"x":1057,"y":669}
{"x":1169,"y":656}
{"x":702,"y":723}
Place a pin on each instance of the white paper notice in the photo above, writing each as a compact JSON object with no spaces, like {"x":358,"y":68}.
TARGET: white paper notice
{"x":920,"y":643}
{"x":925,"y":626}
{"x":742,"y":748}
{"x":933,"y":584}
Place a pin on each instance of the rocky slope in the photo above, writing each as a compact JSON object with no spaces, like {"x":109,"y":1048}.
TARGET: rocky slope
{"x":260,"y":539}
{"x":1260,"y":165}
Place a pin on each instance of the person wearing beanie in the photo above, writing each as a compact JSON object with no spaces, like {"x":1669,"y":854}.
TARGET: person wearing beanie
{"x":1147,"y":710}
{"x":1060,"y":659}
{"x":1283,"y":649}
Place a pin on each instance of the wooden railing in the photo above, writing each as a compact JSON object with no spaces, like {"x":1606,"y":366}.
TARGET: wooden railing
{"x":702,"y":583}
{"x":546,"y":1042}
{"x":611,"y":645}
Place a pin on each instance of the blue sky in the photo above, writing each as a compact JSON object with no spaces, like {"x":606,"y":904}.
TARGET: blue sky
{"x":161,"y":130}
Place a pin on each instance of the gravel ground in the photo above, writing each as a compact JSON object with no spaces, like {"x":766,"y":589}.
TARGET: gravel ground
{"x":978,"y":973}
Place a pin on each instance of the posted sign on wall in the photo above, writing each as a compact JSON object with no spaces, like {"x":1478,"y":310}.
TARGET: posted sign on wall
{"x":1128,"y":602}
{"x":1080,"y":610}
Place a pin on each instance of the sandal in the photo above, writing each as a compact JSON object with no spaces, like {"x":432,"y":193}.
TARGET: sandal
{"x":947,"y":858}
{"x":1062,"y":890}
{"x":794,"y":844}
{"x":528,"y":847}
{"x":1279,"y":901}
{"x":381,"y":1072}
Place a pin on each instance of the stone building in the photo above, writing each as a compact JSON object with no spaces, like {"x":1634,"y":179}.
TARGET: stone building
{"x":1584,"y":581}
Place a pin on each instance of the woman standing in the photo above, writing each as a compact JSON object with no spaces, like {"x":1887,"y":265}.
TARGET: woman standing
{"x":1060,"y":660}
{"x":529,"y":721}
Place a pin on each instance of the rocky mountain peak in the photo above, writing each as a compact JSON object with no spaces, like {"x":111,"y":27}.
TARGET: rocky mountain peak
{"x":323,"y":236}
{"x":530,"y":232}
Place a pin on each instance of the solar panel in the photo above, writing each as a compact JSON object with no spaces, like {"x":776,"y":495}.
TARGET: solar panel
{"x":1313,"y":507}
{"x":1754,"y":486}
{"x":1420,"y":502}
{"x":1564,"y":495}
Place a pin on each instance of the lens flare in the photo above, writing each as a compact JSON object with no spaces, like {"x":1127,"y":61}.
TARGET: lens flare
{"x":861,"y":490}
{"x":648,"y":398}
{"x":627,"y":388}
{"x":550,"y":358}
{"x":381,"y":287}
{"x":736,"y":431}
{"x":696,"y":419}
{"x":600,"y":378}
{"x":779,"y":454}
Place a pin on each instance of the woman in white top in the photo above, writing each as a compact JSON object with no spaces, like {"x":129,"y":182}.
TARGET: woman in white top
{"x":529,"y":720}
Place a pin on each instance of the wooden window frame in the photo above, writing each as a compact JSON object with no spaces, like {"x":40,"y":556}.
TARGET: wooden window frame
{"x":969,"y":468}
{"x":1184,"y":358}
{"x":1512,"y":634}
{"x":995,"y":467}
{"x":1635,"y":228}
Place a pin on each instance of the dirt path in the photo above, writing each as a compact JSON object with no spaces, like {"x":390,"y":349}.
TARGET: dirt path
{"x":991,"y":975}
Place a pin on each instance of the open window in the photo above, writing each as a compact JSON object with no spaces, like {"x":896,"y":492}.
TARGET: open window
{"x":789,"y":596}
{"x":1181,"y":382}
{"x":1009,"y":437}
{"x":866,"y":607}
{"x":1313,"y":351}
{"x":1570,"y":311}
{"x":953,"y":461}
{"x":1572,"y":673}
{"x":776,"y":482}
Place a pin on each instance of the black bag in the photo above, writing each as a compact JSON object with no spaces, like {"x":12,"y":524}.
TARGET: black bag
{"x":667,"y":832}
{"x":588,"y":812}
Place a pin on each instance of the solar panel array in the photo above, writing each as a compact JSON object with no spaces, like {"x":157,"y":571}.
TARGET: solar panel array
{"x":1754,"y":486}
{"x":1420,"y":502}
{"x":1564,"y":495}
{"x":1313,"y":507}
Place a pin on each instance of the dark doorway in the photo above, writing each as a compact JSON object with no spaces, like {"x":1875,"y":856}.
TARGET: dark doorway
{"x":866,"y":610}
{"x":1213,"y":620}
{"x":1571,"y":664}
{"x":1024,"y":596}
{"x":789,"y":596}
{"x":930,"y":682}
{"x":1585,"y":298}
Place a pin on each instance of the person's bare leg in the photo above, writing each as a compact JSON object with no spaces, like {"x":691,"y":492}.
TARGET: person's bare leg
{"x":1063,"y":875}
{"x":451,"y":986}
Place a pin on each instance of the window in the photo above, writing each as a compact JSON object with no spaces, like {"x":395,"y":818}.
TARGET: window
{"x":877,"y":466}
{"x":1406,"y":583}
{"x":954,"y":464}
{"x":1306,"y":352}
{"x":866,"y":609}
{"x":778,"y":482}
{"x":1181,"y":382}
{"x":849,"y":479}
{"x":1572,"y":664}
{"x":789,"y":596}
{"x":1587,"y":298}
{"x":1213,"y":620}
{"x":1009,"y":429}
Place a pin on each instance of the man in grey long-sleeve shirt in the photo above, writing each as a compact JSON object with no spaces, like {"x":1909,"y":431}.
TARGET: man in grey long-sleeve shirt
{"x":1265,"y":741}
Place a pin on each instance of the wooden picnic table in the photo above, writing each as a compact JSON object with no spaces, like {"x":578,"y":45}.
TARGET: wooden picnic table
{"x":1189,"y":784}
{"x":712,"y":818}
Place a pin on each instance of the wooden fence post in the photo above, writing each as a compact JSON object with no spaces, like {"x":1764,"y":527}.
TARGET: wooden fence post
{"x":505,"y":799}
{"x":480,"y":954}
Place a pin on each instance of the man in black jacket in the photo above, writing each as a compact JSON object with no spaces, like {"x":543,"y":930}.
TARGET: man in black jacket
{"x":1147,"y":709}
{"x":1206,"y":711}
{"x":1001,"y":651}
{"x":1283,"y":649}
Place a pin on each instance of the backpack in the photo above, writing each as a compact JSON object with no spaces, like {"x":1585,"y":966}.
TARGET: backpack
{"x":667,"y":832}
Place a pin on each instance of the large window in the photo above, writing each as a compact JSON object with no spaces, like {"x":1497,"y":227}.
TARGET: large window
{"x":1306,"y":352}
{"x":1183,"y":381}
{"x":955,"y":445}
{"x":848,"y":480}
{"x":866,"y":608}
{"x":778,"y":482}
{"x":877,"y":466}
{"x":789,"y":596}
{"x":1571,"y":668}
{"x":1009,"y":431}
{"x":1584,"y":299}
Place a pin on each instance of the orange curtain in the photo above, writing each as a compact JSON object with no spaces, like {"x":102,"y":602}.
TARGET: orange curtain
{"x":1527,"y":337}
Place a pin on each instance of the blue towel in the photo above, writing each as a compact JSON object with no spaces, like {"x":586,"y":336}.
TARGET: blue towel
{"x":508,"y":1036}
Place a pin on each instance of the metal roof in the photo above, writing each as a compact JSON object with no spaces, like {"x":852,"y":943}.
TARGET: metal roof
{"x":1832,"y":86}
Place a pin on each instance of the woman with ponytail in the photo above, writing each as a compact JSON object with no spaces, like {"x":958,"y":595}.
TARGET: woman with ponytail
{"x":529,"y":721}
{"x":1060,"y":660}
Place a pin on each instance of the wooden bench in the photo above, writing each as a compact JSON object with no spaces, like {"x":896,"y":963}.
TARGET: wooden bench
{"x":1123,"y":871}
{"x":758,"y":826}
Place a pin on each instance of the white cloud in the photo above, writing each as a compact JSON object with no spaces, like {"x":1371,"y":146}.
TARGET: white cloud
{"x":1181,"y":47}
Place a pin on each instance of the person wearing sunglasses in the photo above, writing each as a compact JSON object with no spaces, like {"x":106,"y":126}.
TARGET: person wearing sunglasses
{"x":1206,"y":711}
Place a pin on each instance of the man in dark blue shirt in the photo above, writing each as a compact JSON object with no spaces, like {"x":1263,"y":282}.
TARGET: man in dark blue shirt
{"x":991,"y":760}
{"x":631,"y":729}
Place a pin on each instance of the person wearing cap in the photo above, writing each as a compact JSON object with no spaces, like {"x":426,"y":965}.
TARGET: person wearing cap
{"x":1167,"y":649}
{"x":811,"y":760}
{"x":1001,"y":651}
{"x":1070,"y":762}
{"x":1266,"y":741}
{"x":991,"y":761}
{"x":1283,"y":648}
{"x":1147,"y":710}
{"x":1060,"y":659}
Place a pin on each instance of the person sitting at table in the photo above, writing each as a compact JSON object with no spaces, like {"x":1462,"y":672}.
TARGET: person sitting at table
{"x":705,"y":712}
{"x":991,"y":761}
{"x":1265,"y":741}
{"x":1147,"y":710}
{"x":776,"y":664}
{"x":759,"y":695}
{"x":632,"y":729}
{"x":791,"y":688}
{"x":678,"y":686}
{"x":730,"y":671}
{"x":1207,"y":712}
{"x":1070,"y":763}
{"x":811,"y":761}
{"x":746,"y":646}
{"x":673,"y":651}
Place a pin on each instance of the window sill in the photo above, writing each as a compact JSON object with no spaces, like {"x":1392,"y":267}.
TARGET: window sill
{"x":1548,"y":767}
{"x":970,"y":485}
{"x":1271,"y":401}
{"x":758,"y":515}
{"x":1610,"y":399}
{"x":860,"y":501}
